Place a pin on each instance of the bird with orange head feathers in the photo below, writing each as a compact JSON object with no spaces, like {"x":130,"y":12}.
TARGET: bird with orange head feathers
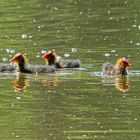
{"x":21,"y":62}
{"x":52,"y":58}
{"x":120,"y":68}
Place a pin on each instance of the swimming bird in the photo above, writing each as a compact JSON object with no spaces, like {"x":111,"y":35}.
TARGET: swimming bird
{"x":5,"y":67}
{"x":120,"y":68}
{"x":21,"y":62}
{"x":52,"y":58}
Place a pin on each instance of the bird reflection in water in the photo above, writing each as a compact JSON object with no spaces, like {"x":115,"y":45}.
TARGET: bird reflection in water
{"x":121,"y":82}
{"x":50,"y":82}
{"x":21,"y":83}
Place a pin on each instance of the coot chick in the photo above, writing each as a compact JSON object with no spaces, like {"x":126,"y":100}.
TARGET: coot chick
{"x":52,"y":58}
{"x":21,"y":62}
{"x":120,"y":68}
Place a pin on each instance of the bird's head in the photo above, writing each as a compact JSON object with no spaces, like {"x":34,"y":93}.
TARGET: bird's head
{"x":19,"y":58}
{"x":123,"y":63}
{"x":50,"y":57}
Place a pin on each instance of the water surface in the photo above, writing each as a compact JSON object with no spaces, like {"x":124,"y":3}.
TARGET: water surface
{"x":75,"y":103}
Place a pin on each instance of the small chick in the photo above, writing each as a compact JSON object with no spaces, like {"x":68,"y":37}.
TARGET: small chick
{"x":52,"y":58}
{"x":120,"y":68}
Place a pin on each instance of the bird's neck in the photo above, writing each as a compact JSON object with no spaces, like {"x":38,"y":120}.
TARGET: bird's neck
{"x":121,"y":70}
{"x":22,"y":67}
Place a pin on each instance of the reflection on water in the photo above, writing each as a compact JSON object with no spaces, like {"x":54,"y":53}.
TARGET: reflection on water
{"x":21,"y":83}
{"x":81,"y":107}
{"x":50,"y":82}
{"x":121,"y":83}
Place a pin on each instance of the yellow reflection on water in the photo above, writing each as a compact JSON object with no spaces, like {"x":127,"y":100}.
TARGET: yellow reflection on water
{"x":121,"y":83}
{"x":50,"y":81}
{"x":20,"y":84}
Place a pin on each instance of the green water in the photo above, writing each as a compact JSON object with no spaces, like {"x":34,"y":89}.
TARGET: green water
{"x":70,"y":104}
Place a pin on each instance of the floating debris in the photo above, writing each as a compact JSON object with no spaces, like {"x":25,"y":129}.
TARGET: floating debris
{"x":10,"y":51}
{"x":34,"y":20}
{"x":113,"y":51}
{"x":107,"y":54}
{"x":66,"y":55}
{"x":18,"y":98}
{"x":24,"y":36}
{"x":134,"y":26}
{"x":43,"y":51}
{"x":137,"y":44}
{"x":4,"y":59}
{"x":37,"y":56}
